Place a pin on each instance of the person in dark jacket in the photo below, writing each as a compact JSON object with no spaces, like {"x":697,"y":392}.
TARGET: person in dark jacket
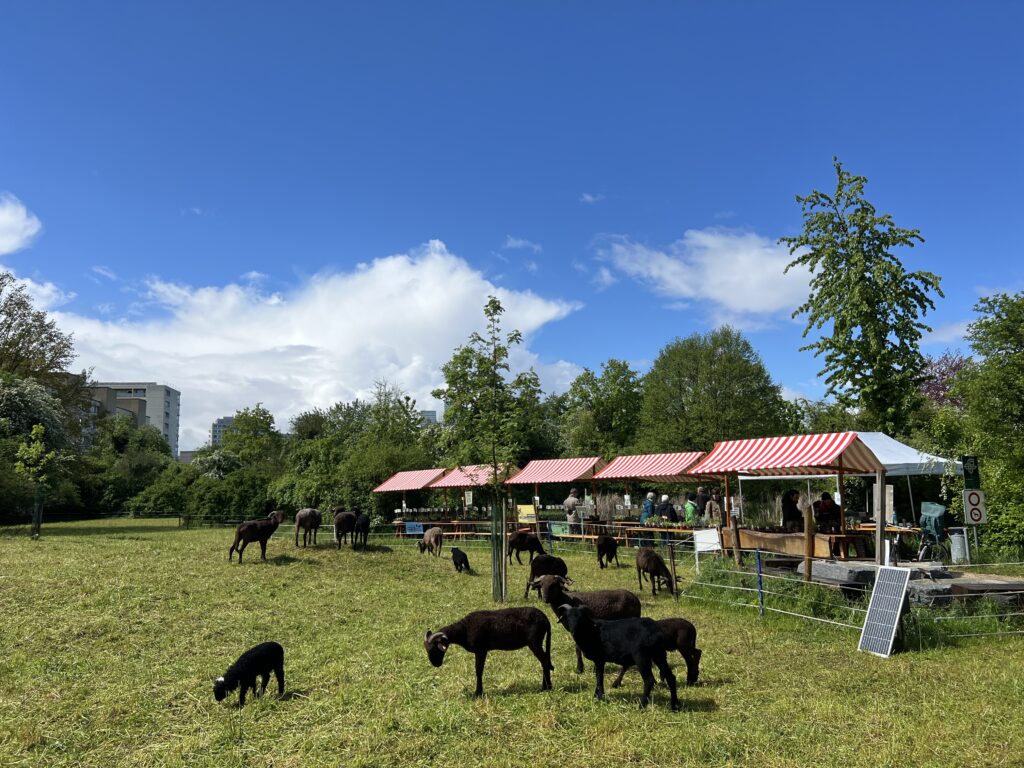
{"x":702,"y":501}
{"x":792,"y":520}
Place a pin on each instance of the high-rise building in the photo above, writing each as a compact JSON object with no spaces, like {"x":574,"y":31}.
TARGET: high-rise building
{"x":218,"y":428}
{"x":162,"y":405}
{"x":429,"y":417}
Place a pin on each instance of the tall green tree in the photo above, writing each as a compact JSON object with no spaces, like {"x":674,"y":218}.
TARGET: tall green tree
{"x":868,"y":305}
{"x":483,"y":404}
{"x":602,"y":411}
{"x":41,"y":467}
{"x":253,"y":438}
{"x":709,"y":387}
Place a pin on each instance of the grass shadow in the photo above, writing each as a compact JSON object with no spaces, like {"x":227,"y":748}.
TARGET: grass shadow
{"x":289,"y":560}
{"x":699,"y":705}
{"x":292,"y":695}
{"x":110,"y":532}
{"x":374,"y":548}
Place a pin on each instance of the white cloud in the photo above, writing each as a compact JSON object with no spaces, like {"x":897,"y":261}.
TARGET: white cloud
{"x":46,"y":295}
{"x":106,"y":272}
{"x":18,"y":226}
{"x":517,"y":243}
{"x":947,"y":334}
{"x":226,"y":347}
{"x":589,"y":198}
{"x":530,"y":265}
{"x":735,"y":276}
{"x":605,"y":278}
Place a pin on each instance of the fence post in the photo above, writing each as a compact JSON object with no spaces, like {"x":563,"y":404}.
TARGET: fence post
{"x":760,"y":586}
{"x":672,"y":562}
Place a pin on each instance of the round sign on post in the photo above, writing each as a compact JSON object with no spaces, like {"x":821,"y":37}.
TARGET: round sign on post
{"x":974,"y":507}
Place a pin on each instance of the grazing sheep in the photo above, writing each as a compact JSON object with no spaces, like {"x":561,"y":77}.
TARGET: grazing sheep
{"x":683,"y":637}
{"x":522,"y":541}
{"x":460,"y":560}
{"x":255,"y":530}
{"x":605,"y":603}
{"x":607,"y":550}
{"x":361,"y":529}
{"x":648,"y":561}
{"x":432,"y":540}
{"x":545,"y":565}
{"x":307,"y":519}
{"x":344,"y":522}
{"x":506,"y":629}
{"x":258,"y":661}
{"x":629,"y":642}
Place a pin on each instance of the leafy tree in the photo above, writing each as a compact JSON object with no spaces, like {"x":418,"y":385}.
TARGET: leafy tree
{"x":216,"y":463}
{"x":124,"y":459}
{"x":31,"y":344}
{"x":24,"y":403}
{"x":709,"y":387}
{"x":253,"y":438}
{"x":40,"y":466}
{"x":168,"y":492}
{"x":872,"y":305}
{"x":939,"y":378}
{"x":603,"y":412}
{"x":482,"y":416}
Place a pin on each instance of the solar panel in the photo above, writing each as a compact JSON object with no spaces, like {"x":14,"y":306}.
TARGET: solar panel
{"x":883,"y":617}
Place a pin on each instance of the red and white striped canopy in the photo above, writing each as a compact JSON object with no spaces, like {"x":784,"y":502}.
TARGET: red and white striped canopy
{"x":414,"y":480}
{"x":557,"y":471}
{"x":471,"y":476}
{"x":796,"y":455}
{"x":662,"y":467}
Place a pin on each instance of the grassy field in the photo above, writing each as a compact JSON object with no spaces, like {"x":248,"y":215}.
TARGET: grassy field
{"x":111,"y":634}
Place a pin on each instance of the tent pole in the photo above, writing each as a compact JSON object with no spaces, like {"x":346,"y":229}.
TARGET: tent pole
{"x":842,"y":498}
{"x":808,"y":539}
{"x":910,"y":493}
{"x":734,"y":525}
{"x":536,"y":507}
{"x":879,"y":516}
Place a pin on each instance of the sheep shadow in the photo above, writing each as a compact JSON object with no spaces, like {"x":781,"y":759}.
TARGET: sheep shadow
{"x":289,"y":560}
{"x":374,"y":548}
{"x":698,"y":705}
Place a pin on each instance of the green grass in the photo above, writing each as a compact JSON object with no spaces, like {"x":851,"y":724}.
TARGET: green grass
{"x":111,"y":634}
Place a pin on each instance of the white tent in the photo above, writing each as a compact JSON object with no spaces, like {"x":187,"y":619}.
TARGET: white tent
{"x":902,"y":460}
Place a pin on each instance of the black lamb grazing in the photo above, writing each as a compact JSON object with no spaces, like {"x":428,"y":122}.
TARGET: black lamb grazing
{"x":545,"y":565}
{"x":505,"y":629}
{"x":604,"y":603}
{"x":460,"y":560}
{"x":629,"y":642}
{"x":648,"y":561}
{"x":308,"y":520}
{"x":432,"y":540}
{"x":344,"y":522}
{"x":361,"y":530}
{"x":521,"y":541}
{"x":683,"y":637}
{"x":259,"y":661}
{"x":255,"y":530}
{"x":607,"y":550}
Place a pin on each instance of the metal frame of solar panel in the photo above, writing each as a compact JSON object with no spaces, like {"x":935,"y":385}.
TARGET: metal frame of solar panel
{"x":883,"y":616}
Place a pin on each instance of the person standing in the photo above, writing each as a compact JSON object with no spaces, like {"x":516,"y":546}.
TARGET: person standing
{"x":715,"y":510}
{"x":702,"y":501}
{"x":647,"y":509}
{"x":572,"y":516}
{"x":792,"y":520}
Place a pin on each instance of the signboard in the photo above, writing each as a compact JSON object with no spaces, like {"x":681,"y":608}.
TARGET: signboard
{"x":972,"y":476}
{"x":627,"y":502}
{"x":526,"y":513}
{"x":974,"y":506}
{"x":469,"y":499}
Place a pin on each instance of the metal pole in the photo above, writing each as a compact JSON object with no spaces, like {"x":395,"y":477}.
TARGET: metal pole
{"x":760,"y":586}
{"x":910,"y":493}
{"x":879,"y":517}
{"x":672,"y":563}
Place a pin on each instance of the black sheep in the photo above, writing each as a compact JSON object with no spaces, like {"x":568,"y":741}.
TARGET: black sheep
{"x":506,"y":629}
{"x":308,"y":520}
{"x":344,"y":523}
{"x":629,"y":642}
{"x":683,"y":637}
{"x":607,"y":550}
{"x":460,"y":560}
{"x":604,"y":603}
{"x":648,"y":561}
{"x":361,"y":530}
{"x":522,"y":541}
{"x":258,"y":661}
{"x":545,"y":565}
{"x":255,"y":530}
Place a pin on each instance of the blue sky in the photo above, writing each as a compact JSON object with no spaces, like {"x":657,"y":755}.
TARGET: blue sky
{"x":284,"y":202}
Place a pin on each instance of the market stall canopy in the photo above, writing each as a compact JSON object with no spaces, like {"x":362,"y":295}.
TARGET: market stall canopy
{"x":902,"y":460}
{"x":413,"y":480}
{"x":471,"y":476}
{"x":658,"y":467}
{"x":541,"y":471}
{"x":801,"y":455}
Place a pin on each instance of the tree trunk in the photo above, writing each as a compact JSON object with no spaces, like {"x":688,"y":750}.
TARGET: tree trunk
{"x":37,"y":515}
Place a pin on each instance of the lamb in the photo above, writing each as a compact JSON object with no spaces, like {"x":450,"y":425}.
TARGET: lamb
{"x":522,"y":541}
{"x":258,"y":661}
{"x":307,"y":519}
{"x":505,"y":629}
{"x":683,"y":637}
{"x":432,"y":540}
{"x":545,"y":565}
{"x":629,"y":642}
{"x":255,"y":530}
{"x":344,"y":522}
{"x":607,"y":550}
{"x":605,"y":603}
{"x":361,"y":529}
{"x":460,"y":560}
{"x":648,"y":561}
